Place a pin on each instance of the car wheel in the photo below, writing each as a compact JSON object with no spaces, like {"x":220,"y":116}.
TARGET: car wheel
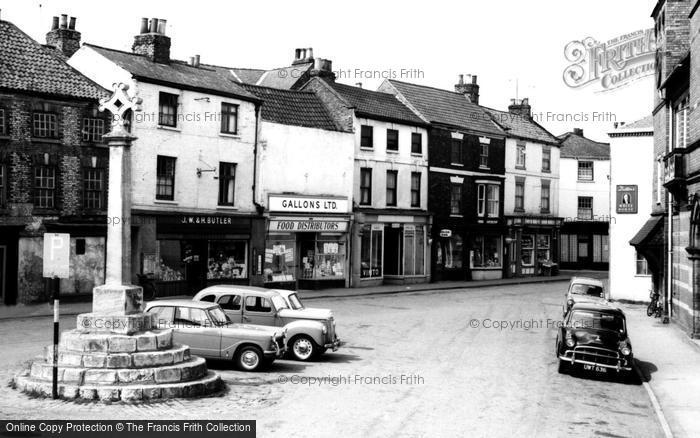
{"x":303,"y":348}
{"x":249,"y":358}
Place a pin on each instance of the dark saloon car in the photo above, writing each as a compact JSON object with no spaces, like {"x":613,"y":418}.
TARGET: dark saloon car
{"x":594,"y":336}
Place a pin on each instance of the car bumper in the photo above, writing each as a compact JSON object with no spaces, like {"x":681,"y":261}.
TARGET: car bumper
{"x":620,"y":364}
{"x":333,"y":345}
{"x":276,"y":353}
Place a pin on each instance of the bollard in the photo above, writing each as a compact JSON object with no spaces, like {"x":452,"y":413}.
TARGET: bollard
{"x":56,"y":284}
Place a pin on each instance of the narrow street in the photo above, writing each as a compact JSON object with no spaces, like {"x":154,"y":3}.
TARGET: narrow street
{"x":459,"y":379}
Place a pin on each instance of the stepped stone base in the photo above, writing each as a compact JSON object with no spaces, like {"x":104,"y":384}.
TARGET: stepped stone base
{"x":120,"y":324}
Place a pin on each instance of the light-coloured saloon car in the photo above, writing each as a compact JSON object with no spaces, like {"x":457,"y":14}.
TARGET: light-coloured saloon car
{"x":209,"y":333}
{"x":584,"y":290}
{"x":310,"y":331}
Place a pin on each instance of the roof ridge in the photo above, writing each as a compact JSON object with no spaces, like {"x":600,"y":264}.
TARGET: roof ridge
{"x":431,"y":87}
{"x":280,"y":90}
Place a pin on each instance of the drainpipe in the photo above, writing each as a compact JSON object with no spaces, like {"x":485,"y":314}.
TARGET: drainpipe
{"x":259,"y":207}
{"x":669,"y":279}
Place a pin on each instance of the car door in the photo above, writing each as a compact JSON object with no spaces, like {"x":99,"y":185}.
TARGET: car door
{"x":231,"y":303}
{"x":194,"y":328}
{"x":258,"y":310}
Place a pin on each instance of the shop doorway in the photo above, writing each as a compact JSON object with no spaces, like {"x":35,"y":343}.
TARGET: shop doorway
{"x":393,"y":251}
{"x":584,"y":255}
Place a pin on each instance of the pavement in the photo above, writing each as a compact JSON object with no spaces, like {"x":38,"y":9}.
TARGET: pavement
{"x":76,"y":307}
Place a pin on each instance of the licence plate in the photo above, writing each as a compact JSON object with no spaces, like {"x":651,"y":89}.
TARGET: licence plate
{"x":595,"y":368}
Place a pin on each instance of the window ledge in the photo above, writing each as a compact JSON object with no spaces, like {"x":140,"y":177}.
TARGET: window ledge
{"x":484,"y":168}
{"x":521,"y":167}
{"x":457,"y":164}
{"x":227,"y":207}
{"x":456,"y":215}
{"x":417,"y":155}
{"x":585,"y":181}
{"x":165,"y":201}
{"x":229,"y":135}
{"x":392,"y":151}
{"x":547,"y":171}
{"x":169,"y":128}
{"x":46,"y":140}
{"x":366,"y":148}
{"x":487,"y":268}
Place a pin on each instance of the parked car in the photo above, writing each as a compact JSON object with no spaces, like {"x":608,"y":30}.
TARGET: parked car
{"x":584,"y":290}
{"x":311,"y":332}
{"x":209,"y":333}
{"x":594,"y":336}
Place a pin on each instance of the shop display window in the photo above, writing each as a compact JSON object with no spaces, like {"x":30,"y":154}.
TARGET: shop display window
{"x":543,"y":254}
{"x":227,"y":260}
{"x":414,"y":250}
{"x":527,"y":250}
{"x":450,"y":252}
{"x":371,"y":250}
{"x":280,"y":258}
{"x":323,"y":257}
{"x":486,"y":252}
{"x":170,"y":264}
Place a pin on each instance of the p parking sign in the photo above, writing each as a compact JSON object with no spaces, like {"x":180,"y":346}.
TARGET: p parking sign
{"x":56,"y":255}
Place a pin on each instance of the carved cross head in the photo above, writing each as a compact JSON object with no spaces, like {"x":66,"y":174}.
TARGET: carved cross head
{"x":118,"y":104}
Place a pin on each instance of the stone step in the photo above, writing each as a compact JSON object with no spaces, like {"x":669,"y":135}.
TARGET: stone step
{"x":205,"y":385}
{"x":192,"y":369}
{"x":139,"y":359}
{"x":151,"y":340}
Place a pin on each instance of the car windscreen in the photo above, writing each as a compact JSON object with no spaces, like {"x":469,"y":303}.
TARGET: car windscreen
{"x":279,"y":302}
{"x":587,"y":289}
{"x":218,"y":316}
{"x":596,"y":320}
{"x":295,"y":302}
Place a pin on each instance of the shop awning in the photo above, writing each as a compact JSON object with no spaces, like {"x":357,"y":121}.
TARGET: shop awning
{"x":651,"y":233}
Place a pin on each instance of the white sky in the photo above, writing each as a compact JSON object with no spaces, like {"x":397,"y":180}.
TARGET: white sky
{"x":497,"y":40}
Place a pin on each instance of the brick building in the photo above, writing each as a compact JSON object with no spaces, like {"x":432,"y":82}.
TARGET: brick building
{"x":465,"y":179}
{"x":676,"y":204}
{"x":53,"y":164}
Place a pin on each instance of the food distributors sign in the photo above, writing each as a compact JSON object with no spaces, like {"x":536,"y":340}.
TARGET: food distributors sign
{"x":307,"y":204}
{"x":309,"y":225}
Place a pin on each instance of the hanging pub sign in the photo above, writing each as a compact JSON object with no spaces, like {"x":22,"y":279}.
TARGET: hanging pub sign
{"x":626,"y":199}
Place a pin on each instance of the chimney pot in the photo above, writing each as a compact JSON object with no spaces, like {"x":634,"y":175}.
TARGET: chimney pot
{"x":54,"y":24}
{"x":144,"y":25}
{"x":161,"y":26}
{"x":64,"y":21}
{"x":359,"y":84}
{"x":461,"y":80}
{"x":191,"y":60}
{"x":310,"y":53}
{"x":196,"y":60}
{"x":71,"y":25}
{"x":474,"y":79}
{"x":297,"y":54}
{"x":154,"y":25}
{"x":578,"y":131}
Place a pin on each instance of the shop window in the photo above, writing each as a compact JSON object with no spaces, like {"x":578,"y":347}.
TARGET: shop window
{"x":44,"y":186}
{"x":366,"y":186}
{"x":227,"y":183}
{"x":230,"y":302}
{"x":280,"y":258}
{"x":642,"y":265}
{"x":416,"y":143}
{"x":546,"y":159}
{"x":585,"y":170}
{"x":456,"y":199}
{"x":415,"y":189}
{"x":486,"y":252}
{"x":165,"y":178}
{"x":93,"y":129}
{"x":170,"y":266}
{"x":227,"y":260}
{"x":450,"y":252}
{"x":543,"y":248}
{"x":322,"y":257}
{"x":94,"y":188}
{"x":367,"y":136}
{"x":229,"y":118}
{"x":392,"y":140}
{"x":258,"y":304}
{"x":527,"y":250}
{"x":371,"y":250}
{"x":414,"y":250}
{"x":488,"y":200}
{"x":600,"y":248}
{"x":167,"y":109}
{"x":391,"y":183}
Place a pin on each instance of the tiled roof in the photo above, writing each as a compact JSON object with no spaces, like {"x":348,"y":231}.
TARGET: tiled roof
{"x":642,"y":124}
{"x":214,"y":79}
{"x":521,"y":126}
{"x":370,"y":104}
{"x":26,"y":65}
{"x":576,"y":146}
{"x":289,"y":107}
{"x":285,"y":78}
{"x":651,"y":233}
{"x":446,"y":107}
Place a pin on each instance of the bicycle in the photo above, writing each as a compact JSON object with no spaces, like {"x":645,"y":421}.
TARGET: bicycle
{"x":148,"y":283}
{"x":654,"y":308}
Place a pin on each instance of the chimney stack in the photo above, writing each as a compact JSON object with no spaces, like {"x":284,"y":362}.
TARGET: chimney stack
{"x":152,"y":41}
{"x":303,"y":56}
{"x":62,"y":36}
{"x":358,"y":84}
{"x":578,"y":131}
{"x":469,"y":89}
{"x":323,"y":68}
{"x":520,"y":107}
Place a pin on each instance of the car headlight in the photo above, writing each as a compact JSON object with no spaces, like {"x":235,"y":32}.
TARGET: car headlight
{"x":570,"y":342}
{"x":625,"y":350}
{"x":325,"y":329}
{"x":570,"y":302}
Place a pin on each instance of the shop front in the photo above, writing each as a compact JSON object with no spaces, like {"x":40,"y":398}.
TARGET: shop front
{"x":184,"y":253}
{"x":306,"y":245}
{"x":391,"y":248}
{"x":473,"y":252}
{"x":532,"y":245}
